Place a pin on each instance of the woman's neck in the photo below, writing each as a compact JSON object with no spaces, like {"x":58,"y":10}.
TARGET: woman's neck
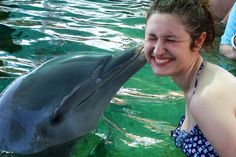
{"x":186,"y":79}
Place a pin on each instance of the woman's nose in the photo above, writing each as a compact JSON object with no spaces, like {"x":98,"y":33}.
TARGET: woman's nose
{"x":159,"y":48}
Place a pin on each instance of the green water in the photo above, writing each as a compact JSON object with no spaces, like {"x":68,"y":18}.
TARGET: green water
{"x":139,"y":124}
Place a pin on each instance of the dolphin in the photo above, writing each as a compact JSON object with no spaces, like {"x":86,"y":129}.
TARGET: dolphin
{"x":62,"y":99}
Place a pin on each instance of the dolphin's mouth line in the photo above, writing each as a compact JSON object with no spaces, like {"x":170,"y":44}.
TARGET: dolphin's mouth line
{"x":134,"y":58}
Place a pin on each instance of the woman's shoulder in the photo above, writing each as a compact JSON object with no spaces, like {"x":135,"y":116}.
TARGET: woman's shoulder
{"x":217,"y":73}
{"x":216,"y":88}
{"x":217,"y":78}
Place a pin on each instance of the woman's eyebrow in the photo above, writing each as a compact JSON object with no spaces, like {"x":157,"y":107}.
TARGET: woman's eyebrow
{"x":170,"y":36}
{"x":150,"y":34}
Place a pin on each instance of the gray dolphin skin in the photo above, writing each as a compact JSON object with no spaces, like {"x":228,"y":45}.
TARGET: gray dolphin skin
{"x":62,"y":99}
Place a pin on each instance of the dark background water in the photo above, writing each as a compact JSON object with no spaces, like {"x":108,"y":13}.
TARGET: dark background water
{"x":148,"y":107}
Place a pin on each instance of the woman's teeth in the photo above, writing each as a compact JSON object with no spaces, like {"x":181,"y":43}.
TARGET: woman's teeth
{"x":164,"y":60}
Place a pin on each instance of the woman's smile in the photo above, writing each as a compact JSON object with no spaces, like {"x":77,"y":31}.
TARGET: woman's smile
{"x":161,"y":61}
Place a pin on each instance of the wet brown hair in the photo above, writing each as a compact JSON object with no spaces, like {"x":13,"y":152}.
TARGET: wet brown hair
{"x":195,"y":15}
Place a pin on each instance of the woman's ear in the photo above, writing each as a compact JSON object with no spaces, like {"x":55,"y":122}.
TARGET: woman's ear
{"x":199,"y":41}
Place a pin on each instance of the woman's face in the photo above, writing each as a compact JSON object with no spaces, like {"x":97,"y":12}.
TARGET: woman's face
{"x":167,"y":45}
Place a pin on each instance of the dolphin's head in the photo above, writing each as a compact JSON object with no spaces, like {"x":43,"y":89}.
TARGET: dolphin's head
{"x":62,"y":99}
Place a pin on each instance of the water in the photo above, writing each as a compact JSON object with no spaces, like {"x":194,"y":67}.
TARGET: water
{"x":139,"y":119}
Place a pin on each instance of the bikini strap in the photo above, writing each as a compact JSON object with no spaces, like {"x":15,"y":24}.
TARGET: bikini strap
{"x":198,"y":75}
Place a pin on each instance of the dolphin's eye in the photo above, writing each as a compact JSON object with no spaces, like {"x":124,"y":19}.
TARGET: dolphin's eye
{"x":98,"y":80}
{"x":56,"y":119}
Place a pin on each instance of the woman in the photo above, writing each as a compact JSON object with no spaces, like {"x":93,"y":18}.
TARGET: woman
{"x":176,"y":30}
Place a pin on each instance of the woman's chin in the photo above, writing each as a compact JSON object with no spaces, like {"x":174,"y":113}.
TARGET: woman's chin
{"x":160,"y":73}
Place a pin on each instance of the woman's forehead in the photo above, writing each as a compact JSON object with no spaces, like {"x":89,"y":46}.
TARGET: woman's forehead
{"x":165,"y":19}
{"x":166,"y":24}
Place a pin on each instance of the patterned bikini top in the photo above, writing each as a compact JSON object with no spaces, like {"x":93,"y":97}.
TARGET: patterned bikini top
{"x":193,"y":143}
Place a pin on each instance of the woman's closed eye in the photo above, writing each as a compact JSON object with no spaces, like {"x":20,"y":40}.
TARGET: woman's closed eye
{"x":170,"y":38}
{"x":151,"y":37}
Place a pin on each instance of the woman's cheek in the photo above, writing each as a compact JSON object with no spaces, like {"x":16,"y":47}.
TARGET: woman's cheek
{"x":147,"y":52}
